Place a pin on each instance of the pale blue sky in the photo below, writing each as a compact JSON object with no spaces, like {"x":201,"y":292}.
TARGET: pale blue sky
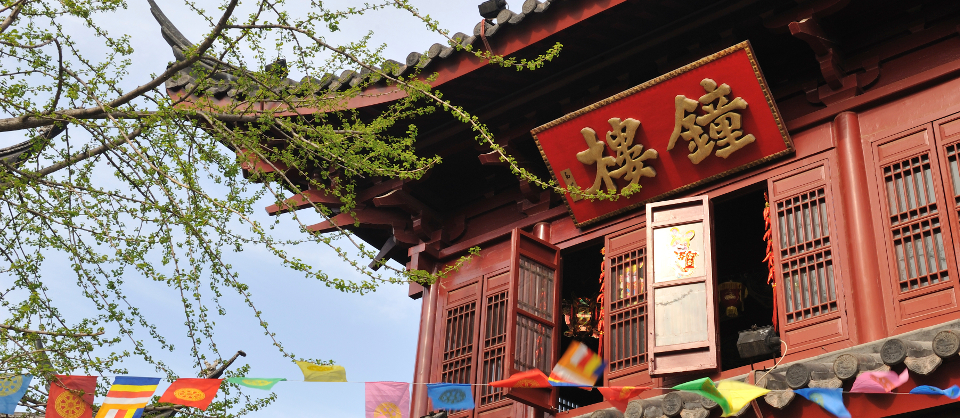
{"x":373,"y":336}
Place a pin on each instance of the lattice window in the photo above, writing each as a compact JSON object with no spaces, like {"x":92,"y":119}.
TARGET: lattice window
{"x":627,"y":329}
{"x":534,"y":345}
{"x":806,"y":256}
{"x":535,"y":289}
{"x":494,"y":347}
{"x":917,"y":235}
{"x":458,"y":348}
{"x":953,"y":163}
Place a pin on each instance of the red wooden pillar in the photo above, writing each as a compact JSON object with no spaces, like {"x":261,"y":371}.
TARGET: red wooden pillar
{"x":419,"y":405}
{"x":865,"y":294}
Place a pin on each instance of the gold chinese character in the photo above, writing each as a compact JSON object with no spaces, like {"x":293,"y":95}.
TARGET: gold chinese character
{"x":721,"y":122}
{"x":630,"y":158}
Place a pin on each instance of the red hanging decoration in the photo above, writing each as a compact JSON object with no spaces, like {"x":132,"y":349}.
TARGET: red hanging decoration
{"x":771,"y":269}
{"x":599,"y":330}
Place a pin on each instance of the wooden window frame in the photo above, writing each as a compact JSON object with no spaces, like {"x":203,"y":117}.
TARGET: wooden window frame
{"x":688,"y":357}
{"x":816,"y":330}
{"x":621,"y":245}
{"x":911,"y":308}
{"x":524,"y":244}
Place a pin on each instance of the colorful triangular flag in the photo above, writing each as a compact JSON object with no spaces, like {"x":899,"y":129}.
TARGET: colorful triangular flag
{"x":879,"y":382}
{"x":952,"y":392}
{"x":705,"y":387}
{"x":450,"y":396}
{"x":387,"y":400}
{"x":317,"y":373}
{"x":620,"y":396}
{"x":128,"y":396}
{"x":262,"y":383}
{"x":71,"y":397}
{"x":829,"y":399}
{"x":197,"y":393}
{"x":11,"y":390}
{"x":529,"y":379}
{"x":739,"y":394}
{"x":579,"y":366}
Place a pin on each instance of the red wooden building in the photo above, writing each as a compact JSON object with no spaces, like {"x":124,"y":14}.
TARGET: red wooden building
{"x":853,"y":110}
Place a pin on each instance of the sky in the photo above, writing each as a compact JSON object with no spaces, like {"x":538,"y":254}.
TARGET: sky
{"x":373,"y":336}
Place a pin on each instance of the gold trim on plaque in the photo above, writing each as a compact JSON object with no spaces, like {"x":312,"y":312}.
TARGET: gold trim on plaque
{"x":745,"y":45}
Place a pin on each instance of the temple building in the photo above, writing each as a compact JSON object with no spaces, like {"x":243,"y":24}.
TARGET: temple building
{"x":789,"y":194}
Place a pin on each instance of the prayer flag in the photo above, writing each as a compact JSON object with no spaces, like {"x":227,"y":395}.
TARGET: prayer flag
{"x":829,"y":399}
{"x":450,"y":396}
{"x":619,"y":396}
{"x":262,"y":383}
{"x":71,"y":397}
{"x":197,"y":393}
{"x":11,"y":390}
{"x":952,"y":392}
{"x":128,"y":396}
{"x":317,"y":373}
{"x":387,"y":400}
{"x":579,"y":366}
{"x":533,"y":378}
{"x":739,"y":394}
{"x":878,"y":382}
{"x":704,"y":387}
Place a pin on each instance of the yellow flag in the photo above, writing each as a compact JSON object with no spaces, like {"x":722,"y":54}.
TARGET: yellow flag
{"x":316,"y":373}
{"x":739,"y":394}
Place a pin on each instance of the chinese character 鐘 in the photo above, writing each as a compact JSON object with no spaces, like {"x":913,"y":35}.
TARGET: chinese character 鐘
{"x":718,"y":127}
{"x":629,"y":159}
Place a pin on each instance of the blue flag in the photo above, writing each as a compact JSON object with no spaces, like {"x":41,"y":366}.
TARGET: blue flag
{"x":11,"y":390}
{"x":450,"y":396}
{"x":952,"y":392}
{"x":829,"y":399}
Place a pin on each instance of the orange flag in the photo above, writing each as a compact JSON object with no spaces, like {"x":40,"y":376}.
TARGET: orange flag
{"x":194,"y":392}
{"x":528,"y":379}
{"x":619,"y":396}
{"x":71,"y":397}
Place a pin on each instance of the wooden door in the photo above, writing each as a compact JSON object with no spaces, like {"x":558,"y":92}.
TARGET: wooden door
{"x":682,"y":334}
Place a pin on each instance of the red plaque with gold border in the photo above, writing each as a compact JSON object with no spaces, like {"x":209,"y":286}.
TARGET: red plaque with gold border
{"x":694,"y":125}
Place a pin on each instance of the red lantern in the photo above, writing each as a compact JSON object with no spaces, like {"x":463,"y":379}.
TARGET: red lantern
{"x":732,"y":295}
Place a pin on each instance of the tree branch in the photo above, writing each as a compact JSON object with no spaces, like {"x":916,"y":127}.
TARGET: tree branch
{"x":56,"y":334}
{"x":30,"y":121}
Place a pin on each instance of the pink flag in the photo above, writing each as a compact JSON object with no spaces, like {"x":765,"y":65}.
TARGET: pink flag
{"x":878,"y":382}
{"x":388,"y":400}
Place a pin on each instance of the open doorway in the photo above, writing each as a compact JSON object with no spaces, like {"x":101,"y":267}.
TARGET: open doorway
{"x":740,"y":250}
{"x":580,"y":281}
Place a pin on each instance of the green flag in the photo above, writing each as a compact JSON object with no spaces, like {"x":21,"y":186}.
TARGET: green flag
{"x":263,"y":383}
{"x":705,"y":387}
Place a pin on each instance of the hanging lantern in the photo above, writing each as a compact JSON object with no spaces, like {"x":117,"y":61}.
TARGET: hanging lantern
{"x":732,"y":295}
{"x":579,"y":315}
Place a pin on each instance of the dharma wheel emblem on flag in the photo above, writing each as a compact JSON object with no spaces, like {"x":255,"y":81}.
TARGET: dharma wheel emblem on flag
{"x":256,"y":382}
{"x":453,"y":396}
{"x":11,"y":385}
{"x":387,"y":410}
{"x":189,"y":394}
{"x":69,"y":405}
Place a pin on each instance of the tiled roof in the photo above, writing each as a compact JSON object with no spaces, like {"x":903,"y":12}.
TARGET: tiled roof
{"x":921,"y":351}
{"x":348,"y":77}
